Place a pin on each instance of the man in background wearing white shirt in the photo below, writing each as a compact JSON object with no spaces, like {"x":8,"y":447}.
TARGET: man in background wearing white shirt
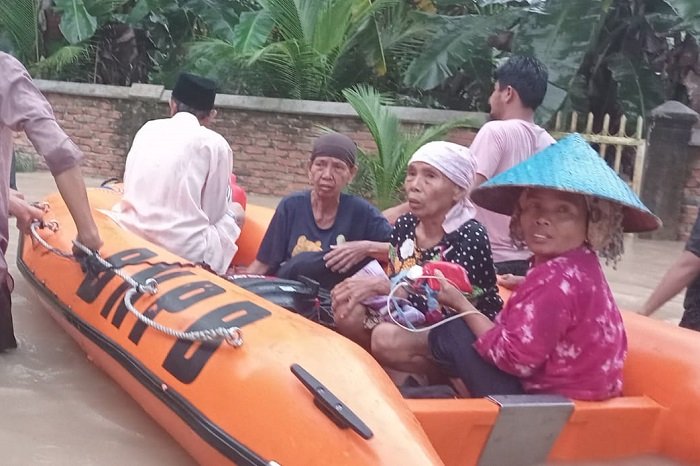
{"x":176,"y":181}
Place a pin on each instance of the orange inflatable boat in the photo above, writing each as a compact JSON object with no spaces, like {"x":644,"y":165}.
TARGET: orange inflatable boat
{"x":279,"y":389}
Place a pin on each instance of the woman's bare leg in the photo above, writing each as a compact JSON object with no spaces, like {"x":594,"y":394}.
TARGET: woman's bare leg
{"x":350,"y":322}
{"x":401,"y":350}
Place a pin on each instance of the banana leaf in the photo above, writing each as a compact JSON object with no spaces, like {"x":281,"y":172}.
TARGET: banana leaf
{"x":252,"y":32}
{"x":460,"y":42}
{"x":639,"y":89}
{"x":560,"y":36}
{"x":689,"y":11}
{"x":77,"y":24}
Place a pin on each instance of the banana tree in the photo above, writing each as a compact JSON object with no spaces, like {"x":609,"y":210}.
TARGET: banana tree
{"x":111,"y":41}
{"x":605,"y":56}
{"x":381,"y":174}
{"x":643,"y":56}
{"x":559,"y":32}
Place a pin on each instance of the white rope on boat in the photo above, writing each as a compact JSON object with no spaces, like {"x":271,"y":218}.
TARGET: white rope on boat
{"x":53,"y":226}
{"x":232,"y":335}
{"x":150,"y":286}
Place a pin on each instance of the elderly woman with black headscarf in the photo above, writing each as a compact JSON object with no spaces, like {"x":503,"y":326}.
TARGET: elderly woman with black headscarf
{"x":323,"y":233}
{"x":440,"y":226}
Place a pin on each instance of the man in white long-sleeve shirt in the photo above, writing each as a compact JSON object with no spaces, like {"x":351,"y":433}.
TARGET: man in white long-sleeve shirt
{"x":176,"y":182}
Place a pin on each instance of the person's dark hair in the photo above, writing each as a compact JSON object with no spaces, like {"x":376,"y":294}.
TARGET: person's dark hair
{"x":527,"y":75}
{"x":200,"y":114}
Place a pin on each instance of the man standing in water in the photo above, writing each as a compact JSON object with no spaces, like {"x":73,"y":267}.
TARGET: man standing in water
{"x":510,"y":138}
{"x":24,"y":108}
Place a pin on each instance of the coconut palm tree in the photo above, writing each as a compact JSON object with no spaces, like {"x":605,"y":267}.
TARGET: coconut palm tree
{"x":307,"y":49}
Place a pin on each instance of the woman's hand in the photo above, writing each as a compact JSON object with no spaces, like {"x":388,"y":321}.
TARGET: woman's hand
{"x":510,"y":281}
{"x":450,"y":296}
{"x":354,"y":290}
{"x":343,"y":257}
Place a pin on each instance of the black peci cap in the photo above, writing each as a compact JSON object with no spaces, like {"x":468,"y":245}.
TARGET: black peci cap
{"x":195,"y":91}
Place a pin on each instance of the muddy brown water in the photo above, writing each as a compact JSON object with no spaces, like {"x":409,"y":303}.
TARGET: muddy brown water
{"x":57,"y":407}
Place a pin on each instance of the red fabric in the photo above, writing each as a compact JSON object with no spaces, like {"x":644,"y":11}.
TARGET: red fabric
{"x":237,"y":193}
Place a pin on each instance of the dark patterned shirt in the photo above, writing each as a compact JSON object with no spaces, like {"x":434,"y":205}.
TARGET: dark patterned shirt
{"x":467,"y":246}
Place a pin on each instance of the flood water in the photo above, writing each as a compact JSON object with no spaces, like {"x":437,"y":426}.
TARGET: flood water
{"x":57,"y":407}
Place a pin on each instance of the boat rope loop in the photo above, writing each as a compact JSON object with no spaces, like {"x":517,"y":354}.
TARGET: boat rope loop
{"x":233,"y":335}
{"x":50,"y":225}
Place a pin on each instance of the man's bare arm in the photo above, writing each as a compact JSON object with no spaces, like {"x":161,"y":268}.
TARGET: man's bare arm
{"x":678,"y":277}
{"x":393,"y":213}
{"x":72,"y":188}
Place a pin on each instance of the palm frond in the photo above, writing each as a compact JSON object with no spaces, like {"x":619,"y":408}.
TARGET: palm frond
{"x":364,"y":182}
{"x":382,"y":174}
{"x":287,"y":18}
{"x":278,"y":57}
{"x":214,"y":50}
{"x":382,"y":124}
{"x":331,"y":22}
{"x":61,"y":59}
{"x":385,"y":128}
{"x":224,"y":62}
{"x":405,"y":33}
{"x":364,"y":32}
{"x":19,"y":19}
{"x":295,"y":66}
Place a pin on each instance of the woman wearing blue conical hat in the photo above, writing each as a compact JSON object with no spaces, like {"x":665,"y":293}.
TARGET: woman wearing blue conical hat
{"x":561,"y":331}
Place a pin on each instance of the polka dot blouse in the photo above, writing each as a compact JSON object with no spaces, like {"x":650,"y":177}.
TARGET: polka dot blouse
{"x":467,"y":246}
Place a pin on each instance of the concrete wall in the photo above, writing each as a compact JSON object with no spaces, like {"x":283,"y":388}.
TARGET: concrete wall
{"x":271,"y":138}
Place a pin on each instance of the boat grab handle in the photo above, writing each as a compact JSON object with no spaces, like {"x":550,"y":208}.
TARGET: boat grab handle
{"x":233,"y":335}
{"x":330,"y":405}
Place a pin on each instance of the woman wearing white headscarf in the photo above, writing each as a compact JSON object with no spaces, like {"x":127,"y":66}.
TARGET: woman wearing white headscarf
{"x":440,"y":226}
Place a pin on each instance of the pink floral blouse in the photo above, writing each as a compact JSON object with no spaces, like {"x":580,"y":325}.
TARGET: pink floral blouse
{"x":561,"y":331}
